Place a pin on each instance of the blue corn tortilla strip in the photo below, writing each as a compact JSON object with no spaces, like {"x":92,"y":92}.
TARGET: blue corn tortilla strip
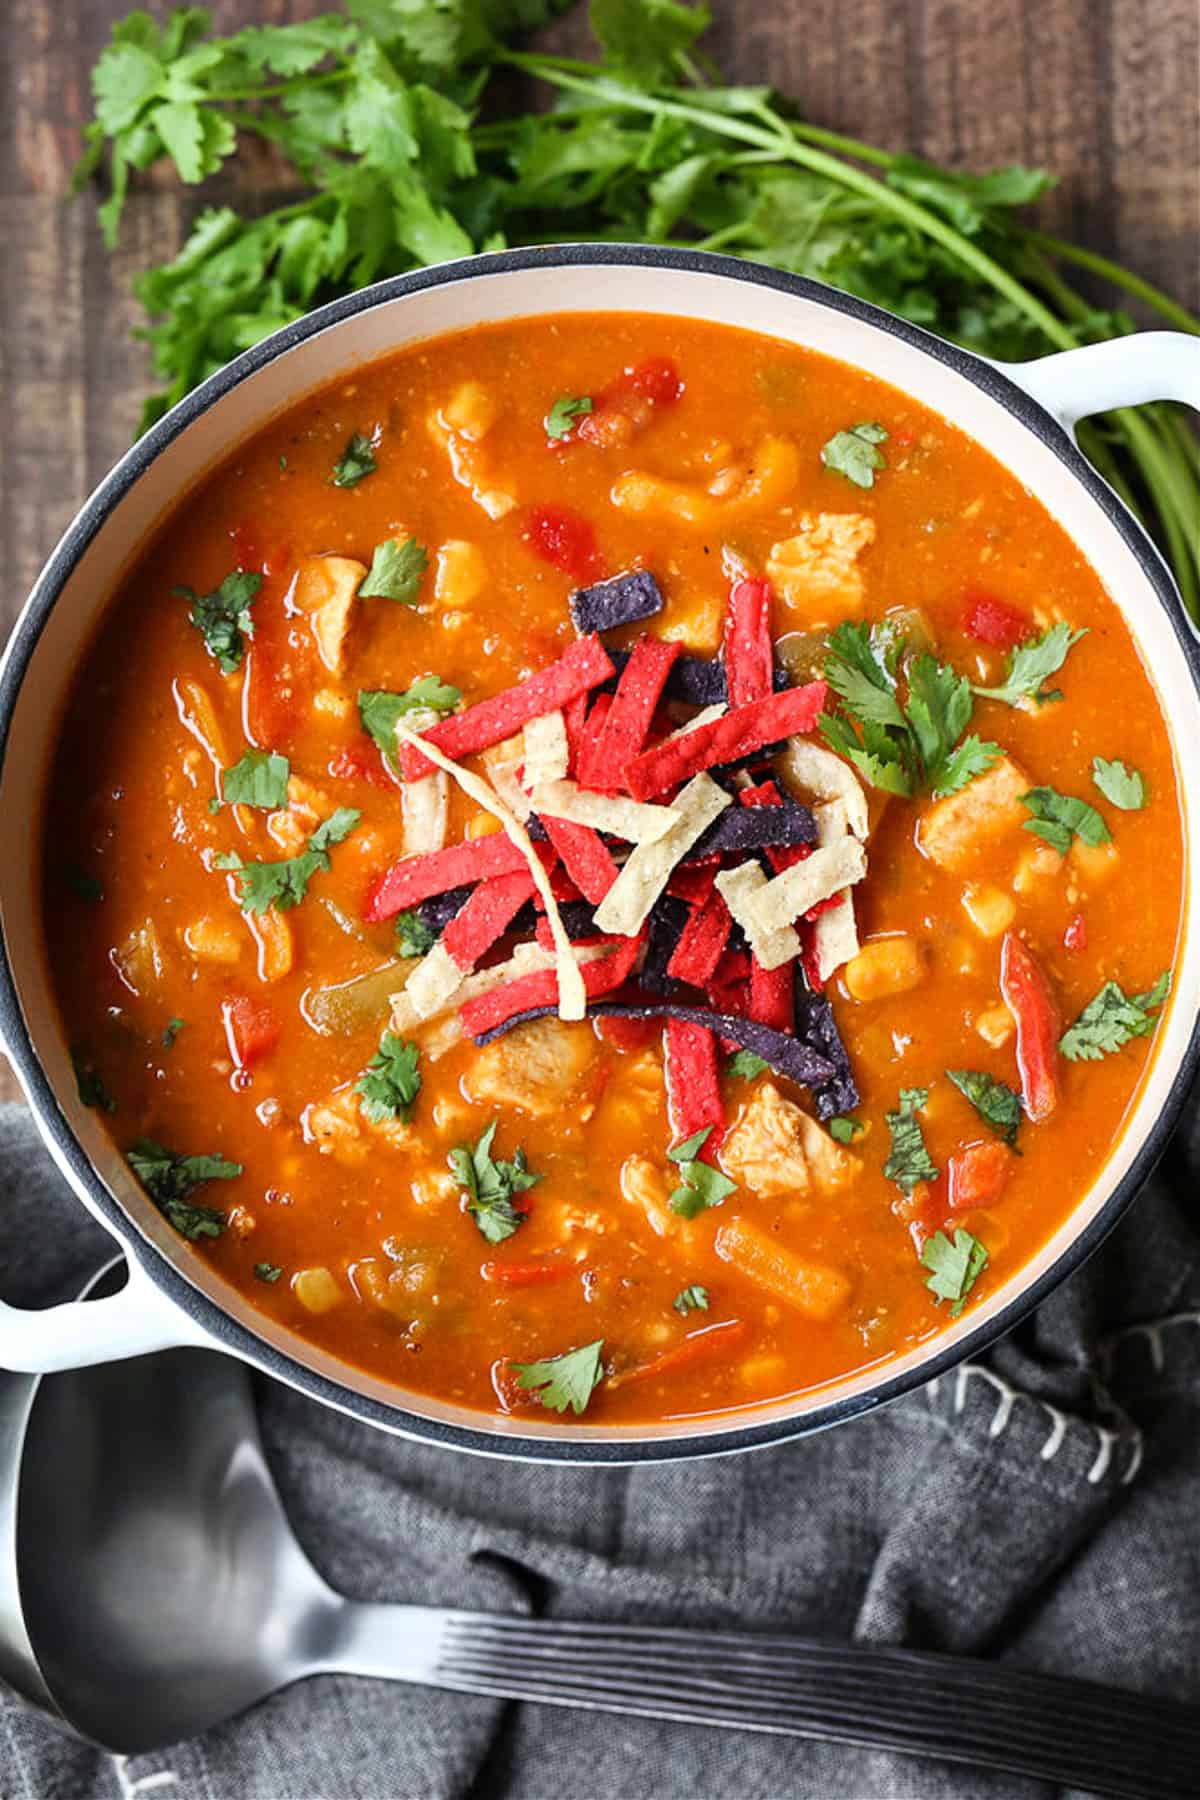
{"x":621,"y":600}
{"x":439,"y":909}
{"x":668,"y":917}
{"x":785,"y":1054}
{"x":535,"y":830}
{"x":741,"y":830}
{"x":816,"y":1025}
{"x":579,"y":919}
{"x":694,"y":680}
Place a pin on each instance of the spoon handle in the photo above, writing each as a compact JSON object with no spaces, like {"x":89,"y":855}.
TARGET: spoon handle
{"x":988,"y":1715}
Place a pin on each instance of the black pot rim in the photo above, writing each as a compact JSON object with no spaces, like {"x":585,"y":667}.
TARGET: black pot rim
{"x":220,"y":1327}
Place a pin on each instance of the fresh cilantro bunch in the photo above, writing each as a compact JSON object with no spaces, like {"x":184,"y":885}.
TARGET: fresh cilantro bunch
{"x":382,"y":118}
{"x":900,"y":742}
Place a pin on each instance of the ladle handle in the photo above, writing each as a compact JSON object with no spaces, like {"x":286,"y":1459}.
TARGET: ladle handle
{"x":133,"y":1322}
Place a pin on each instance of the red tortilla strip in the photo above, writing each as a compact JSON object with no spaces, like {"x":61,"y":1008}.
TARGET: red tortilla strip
{"x":417,"y":878}
{"x":693,"y":1083}
{"x":734,"y":735}
{"x":593,"y":727}
{"x":575,"y":719}
{"x":749,"y":662}
{"x":541,"y":989}
{"x":487,"y":915}
{"x":585,"y":857}
{"x":632,"y":711}
{"x":771,"y":998}
{"x":580,"y":667}
{"x":693,"y":882}
{"x":704,"y":937}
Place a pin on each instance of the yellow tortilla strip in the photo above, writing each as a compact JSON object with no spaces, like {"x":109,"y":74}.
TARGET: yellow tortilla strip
{"x":820,"y":775}
{"x":425,"y":804}
{"x":624,"y":908}
{"x":835,"y":934}
{"x":547,"y":754}
{"x":439,"y":1030}
{"x":572,"y":997}
{"x":433,"y":983}
{"x":826,"y":872}
{"x":738,"y":888}
{"x":637,"y":821}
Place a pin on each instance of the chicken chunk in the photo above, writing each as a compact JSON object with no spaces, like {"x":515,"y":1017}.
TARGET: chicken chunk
{"x":645,"y":1186}
{"x":339,"y":1128}
{"x":830,"y":1166}
{"x":535,"y":1068}
{"x":816,"y":570}
{"x":775,"y":1148}
{"x":325,"y":589}
{"x":954,"y":829}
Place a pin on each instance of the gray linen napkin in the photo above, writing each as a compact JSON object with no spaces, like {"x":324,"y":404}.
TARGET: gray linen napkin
{"x":1038,"y":1506}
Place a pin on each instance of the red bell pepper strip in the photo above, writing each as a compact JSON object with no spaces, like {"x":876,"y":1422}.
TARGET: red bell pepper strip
{"x":696,"y":955}
{"x":734,"y":735}
{"x":416,"y":878}
{"x":772,"y":998}
{"x":978,"y":1175}
{"x":693,"y":1084}
{"x":541,"y":989}
{"x":585,"y":857}
{"x":697,"y":1347}
{"x":487,"y":915}
{"x":995,"y":622}
{"x":353,"y":764}
{"x":581,"y":666}
{"x":534,"y":1273}
{"x":749,"y":661}
{"x":251,"y":1029}
{"x":1030,"y":999}
{"x":629,"y":717}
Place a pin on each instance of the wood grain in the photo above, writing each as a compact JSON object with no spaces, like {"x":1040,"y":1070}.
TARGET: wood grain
{"x":1104,"y":92}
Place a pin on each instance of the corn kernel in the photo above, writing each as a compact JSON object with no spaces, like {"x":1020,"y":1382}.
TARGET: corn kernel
{"x":316,"y":1290}
{"x":461,"y":574}
{"x":990,"y":910}
{"x":699,"y":626}
{"x":995,"y":1026}
{"x":1033,"y":865}
{"x":886,"y":966}
{"x":483,"y":824}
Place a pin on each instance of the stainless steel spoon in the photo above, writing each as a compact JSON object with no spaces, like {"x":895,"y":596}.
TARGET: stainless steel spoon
{"x":150,"y":1587}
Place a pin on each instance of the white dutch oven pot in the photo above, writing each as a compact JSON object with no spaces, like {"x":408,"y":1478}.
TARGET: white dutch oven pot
{"x":1022,"y":414}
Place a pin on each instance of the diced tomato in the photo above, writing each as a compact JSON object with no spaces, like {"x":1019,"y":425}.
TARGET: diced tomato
{"x":1031,"y":1001}
{"x":251,"y":1029}
{"x":995,"y":622}
{"x":657,"y":380}
{"x":628,"y":1034}
{"x":564,"y":539}
{"x":978,"y":1175}
{"x":1075,"y":937}
{"x":697,"y":1347}
{"x":534,"y":1273}
{"x":353,"y":764}
{"x":615,"y":419}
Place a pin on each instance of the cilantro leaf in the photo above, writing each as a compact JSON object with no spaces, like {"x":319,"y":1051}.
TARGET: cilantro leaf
{"x":743,"y":1065}
{"x":491,"y":1186}
{"x":268,"y":1272}
{"x":844,"y":1131}
{"x":258,"y":778}
{"x":938,"y":711}
{"x":391,"y":1082}
{"x":691,"y":1299}
{"x":396,"y":571}
{"x":413,"y":936}
{"x":1123,"y":787}
{"x":563,"y":1381}
{"x":223,"y":617}
{"x":83,"y":884}
{"x":955,"y":1267}
{"x":262,"y":885}
{"x":856,"y":454}
{"x":1057,"y":818}
{"x":1113,"y":1019}
{"x":974,"y":756}
{"x":644,"y":39}
{"x":379,"y":708}
{"x":563,"y":416}
{"x":169,"y":1178}
{"x":909,"y":1161}
{"x":171,"y":1031}
{"x":356,"y":462}
{"x":1031,"y":664}
{"x":995,"y":1102}
{"x":92,"y":1091}
{"x":701,"y":1185}
{"x":858,"y":672}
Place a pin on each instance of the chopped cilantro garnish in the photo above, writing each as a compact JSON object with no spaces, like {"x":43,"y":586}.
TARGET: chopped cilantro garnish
{"x":83,"y":884}
{"x":1031,"y":664}
{"x":691,"y":1299}
{"x":702,"y":1185}
{"x":995,"y":1102}
{"x":171,"y":1031}
{"x":355,"y":463}
{"x":284,"y":884}
{"x":900,"y":746}
{"x":268,"y":1272}
{"x":954,"y":1267}
{"x":1113,"y":1019}
{"x":909,"y":1161}
{"x":391,"y":1082}
{"x":563,"y":415}
{"x":743,"y":1065}
{"x":1057,"y":818}
{"x":379,"y":708}
{"x":856,"y":454}
{"x":1122,"y":786}
{"x":169,"y":1178}
{"x":92,"y":1091}
{"x":491,"y":1185}
{"x":413,"y":936}
{"x":562,"y":1381}
{"x":258,"y":778}
{"x":396,"y":570}
{"x":845,"y":1130}
{"x":223,"y":617}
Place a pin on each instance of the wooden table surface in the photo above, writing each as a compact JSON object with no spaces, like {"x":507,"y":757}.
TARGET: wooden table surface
{"x":1104,"y":92}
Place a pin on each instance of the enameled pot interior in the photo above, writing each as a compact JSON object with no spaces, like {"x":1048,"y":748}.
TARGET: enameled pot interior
{"x":189,"y":442}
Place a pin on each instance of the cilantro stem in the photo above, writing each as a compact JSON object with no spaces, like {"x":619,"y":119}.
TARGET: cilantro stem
{"x":1122,"y":278}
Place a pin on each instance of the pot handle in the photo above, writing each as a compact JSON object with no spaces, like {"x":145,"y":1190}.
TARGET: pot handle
{"x":1147,"y":365}
{"x":133,"y":1322}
